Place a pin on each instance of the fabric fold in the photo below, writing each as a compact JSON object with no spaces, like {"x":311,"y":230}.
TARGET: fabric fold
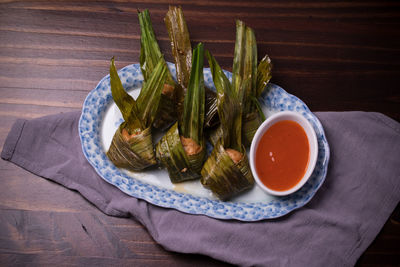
{"x":12,"y":139}
{"x":361,"y":190}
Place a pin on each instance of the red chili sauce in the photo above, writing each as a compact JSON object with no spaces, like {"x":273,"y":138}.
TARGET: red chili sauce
{"x":282,"y":155}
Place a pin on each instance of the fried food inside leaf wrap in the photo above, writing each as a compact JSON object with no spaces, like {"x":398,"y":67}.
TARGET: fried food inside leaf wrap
{"x":226,"y":176}
{"x":132,"y":145}
{"x":249,"y":81}
{"x":150,"y":54}
{"x":172,"y":155}
{"x":182,"y":149}
{"x":226,"y":172}
{"x":182,"y":52}
{"x":249,"y":78}
{"x":135,"y":153}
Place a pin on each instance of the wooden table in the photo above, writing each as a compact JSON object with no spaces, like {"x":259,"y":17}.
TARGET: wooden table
{"x":335,"y":56}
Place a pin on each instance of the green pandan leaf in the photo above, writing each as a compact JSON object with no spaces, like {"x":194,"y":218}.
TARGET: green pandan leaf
{"x":126,"y":104}
{"x":194,"y":103}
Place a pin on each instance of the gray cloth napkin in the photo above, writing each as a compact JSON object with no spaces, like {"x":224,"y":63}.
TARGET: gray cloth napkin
{"x":361,"y":190}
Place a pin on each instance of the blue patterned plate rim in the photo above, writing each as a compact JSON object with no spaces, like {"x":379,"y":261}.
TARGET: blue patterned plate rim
{"x":274,"y":99}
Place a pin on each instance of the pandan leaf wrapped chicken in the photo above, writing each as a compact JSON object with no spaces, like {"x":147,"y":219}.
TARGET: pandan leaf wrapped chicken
{"x":246,"y":76}
{"x":182,"y":53}
{"x":150,"y":55}
{"x":226,"y":172}
{"x":182,"y":149}
{"x":250,"y":80}
{"x":132,"y":145}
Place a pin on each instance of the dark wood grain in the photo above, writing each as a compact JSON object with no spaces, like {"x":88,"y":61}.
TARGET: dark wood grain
{"x":335,"y":56}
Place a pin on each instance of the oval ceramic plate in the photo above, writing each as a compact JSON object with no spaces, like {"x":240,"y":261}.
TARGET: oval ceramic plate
{"x":100,"y":118}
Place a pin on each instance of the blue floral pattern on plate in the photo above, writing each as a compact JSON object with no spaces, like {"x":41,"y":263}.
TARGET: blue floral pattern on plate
{"x":274,"y":99}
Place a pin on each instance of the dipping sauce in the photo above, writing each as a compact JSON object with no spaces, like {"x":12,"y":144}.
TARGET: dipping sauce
{"x":282,"y":155}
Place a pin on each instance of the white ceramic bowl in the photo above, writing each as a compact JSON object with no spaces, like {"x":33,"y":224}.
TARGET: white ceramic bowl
{"x":312,"y":141}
